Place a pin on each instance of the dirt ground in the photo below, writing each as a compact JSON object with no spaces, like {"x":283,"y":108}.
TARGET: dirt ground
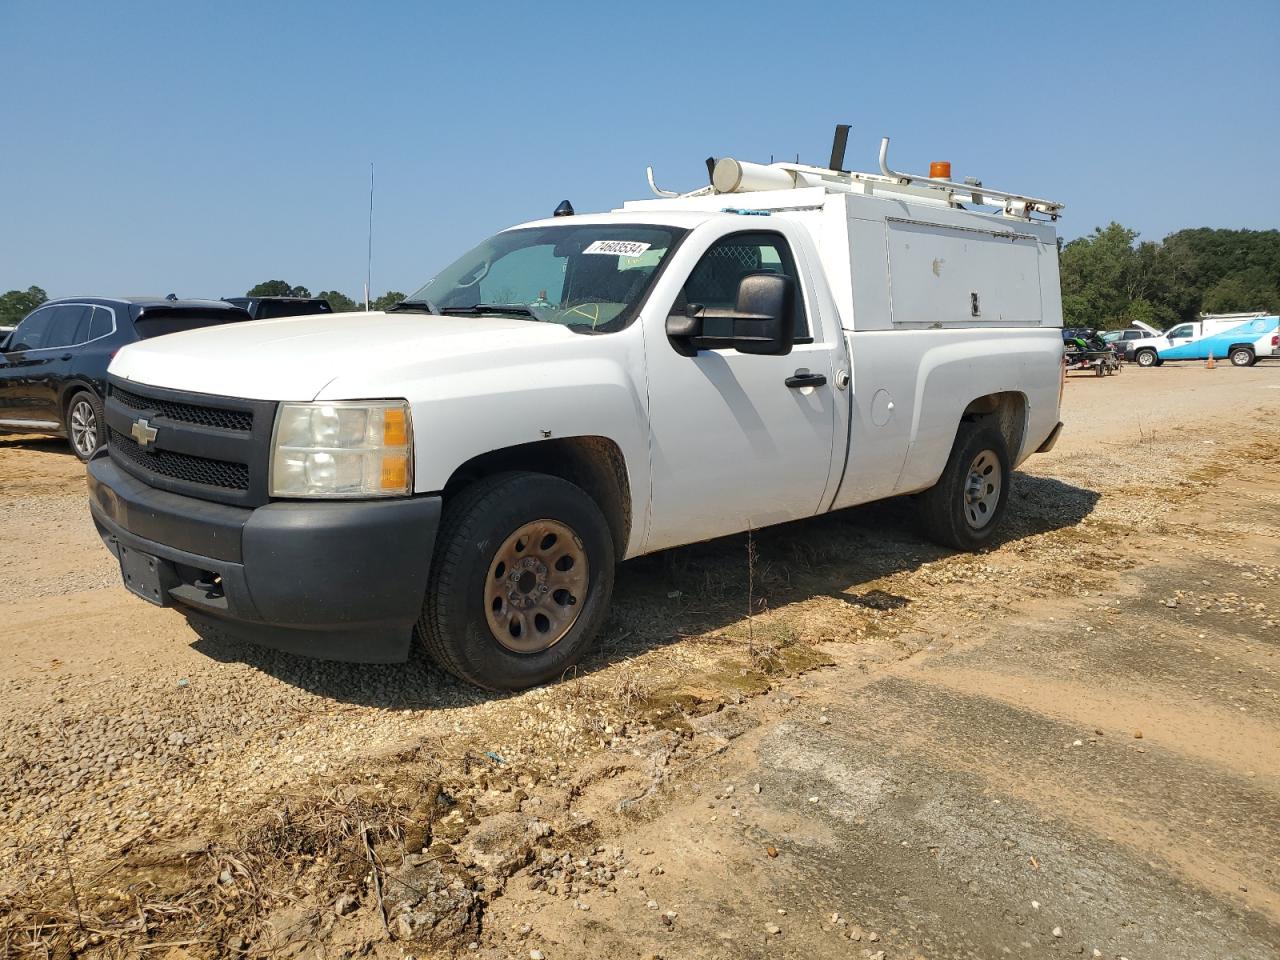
{"x":1066,"y":746}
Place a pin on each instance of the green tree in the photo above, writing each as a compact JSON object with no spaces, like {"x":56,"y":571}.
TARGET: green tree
{"x":340,"y":302}
{"x":387,"y":300}
{"x":1109,"y":282}
{"x":16,"y":304}
{"x":277,"y":288}
{"x":1251,"y":289}
{"x":1099,"y":274}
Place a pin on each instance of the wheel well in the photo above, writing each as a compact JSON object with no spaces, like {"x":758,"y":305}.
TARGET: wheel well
{"x":70,"y":390}
{"x":595,"y":464}
{"x":1007,"y":412}
{"x":1239,"y":346}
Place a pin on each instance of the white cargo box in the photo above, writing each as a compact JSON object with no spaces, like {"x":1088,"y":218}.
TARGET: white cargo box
{"x":904,"y":252}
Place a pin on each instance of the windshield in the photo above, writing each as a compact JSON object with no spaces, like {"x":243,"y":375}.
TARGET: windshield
{"x":588,"y":277}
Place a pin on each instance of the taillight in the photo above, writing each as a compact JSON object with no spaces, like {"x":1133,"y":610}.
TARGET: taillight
{"x":1275,"y":341}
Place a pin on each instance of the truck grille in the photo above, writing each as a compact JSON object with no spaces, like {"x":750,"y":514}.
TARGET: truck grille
{"x":202,"y":446}
{"x":182,"y":466}
{"x":241,"y":420}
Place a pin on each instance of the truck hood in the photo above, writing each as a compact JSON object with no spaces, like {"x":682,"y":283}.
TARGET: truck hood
{"x":293,"y":358}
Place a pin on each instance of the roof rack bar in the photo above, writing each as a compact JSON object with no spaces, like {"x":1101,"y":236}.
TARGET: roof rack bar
{"x":1042,"y":206}
{"x":658,"y":191}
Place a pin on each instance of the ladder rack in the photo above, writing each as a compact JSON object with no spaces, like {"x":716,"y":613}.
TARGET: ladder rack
{"x":777,"y":176}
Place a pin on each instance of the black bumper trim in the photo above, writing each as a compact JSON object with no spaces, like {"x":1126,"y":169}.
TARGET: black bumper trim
{"x":341,"y":580}
{"x":192,"y":526}
{"x":1051,"y":439}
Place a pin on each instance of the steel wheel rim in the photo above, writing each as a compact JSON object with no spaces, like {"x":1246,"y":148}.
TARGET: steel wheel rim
{"x":536,"y":586}
{"x":982,"y":489}
{"x":1145,"y":359}
{"x":84,"y":428}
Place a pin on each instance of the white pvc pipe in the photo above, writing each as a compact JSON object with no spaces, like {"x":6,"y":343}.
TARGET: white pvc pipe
{"x":737,"y":176}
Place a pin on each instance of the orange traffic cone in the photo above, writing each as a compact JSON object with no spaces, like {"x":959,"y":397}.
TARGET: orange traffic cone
{"x":1209,"y":364}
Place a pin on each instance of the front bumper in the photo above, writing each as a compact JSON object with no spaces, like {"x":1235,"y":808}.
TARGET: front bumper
{"x":338,"y":580}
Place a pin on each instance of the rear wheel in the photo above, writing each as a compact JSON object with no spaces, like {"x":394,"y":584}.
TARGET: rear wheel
{"x":964,"y":508}
{"x":84,"y":424}
{"x":1242,"y":357}
{"x":1146,"y":358}
{"x":521,"y":581}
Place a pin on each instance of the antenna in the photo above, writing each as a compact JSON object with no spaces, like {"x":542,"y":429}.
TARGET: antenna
{"x":368,"y":266}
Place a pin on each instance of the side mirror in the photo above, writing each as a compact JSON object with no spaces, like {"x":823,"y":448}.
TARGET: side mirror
{"x":686,"y":327}
{"x":761,"y":319}
{"x":762,"y":316}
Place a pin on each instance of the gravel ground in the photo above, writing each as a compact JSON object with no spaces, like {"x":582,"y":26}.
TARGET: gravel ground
{"x":127,"y":732}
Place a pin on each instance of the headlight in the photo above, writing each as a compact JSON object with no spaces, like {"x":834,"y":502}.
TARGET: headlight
{"x":342,"y":449}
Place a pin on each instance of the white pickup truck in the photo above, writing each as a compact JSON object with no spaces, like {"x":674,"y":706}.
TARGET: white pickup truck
{"x":470,"y":466}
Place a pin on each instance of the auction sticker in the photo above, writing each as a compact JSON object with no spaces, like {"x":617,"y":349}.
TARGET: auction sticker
{"x":618,"y":248}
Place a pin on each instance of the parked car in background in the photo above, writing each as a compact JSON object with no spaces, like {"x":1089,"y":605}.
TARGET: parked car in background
{"x":267,"y":308}
{"x":1242,"y":338}
{"x":53,"y":366}
{"x":1122,"y":341}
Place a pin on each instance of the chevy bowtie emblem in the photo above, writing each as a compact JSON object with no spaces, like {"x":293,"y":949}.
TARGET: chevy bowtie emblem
{"x":143,"y":432}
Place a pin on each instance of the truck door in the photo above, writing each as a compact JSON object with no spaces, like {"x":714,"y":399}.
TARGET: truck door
{"x":1182,"y":343}
{"x":738,"y":441}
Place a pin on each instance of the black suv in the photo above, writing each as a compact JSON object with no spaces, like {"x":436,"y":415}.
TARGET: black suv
{"x":267,"y":308}
{"x":53,"y":366}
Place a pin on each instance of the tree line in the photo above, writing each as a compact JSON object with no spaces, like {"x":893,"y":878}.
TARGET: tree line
{"x":1109,"y":279}
{"x":340,"y":302}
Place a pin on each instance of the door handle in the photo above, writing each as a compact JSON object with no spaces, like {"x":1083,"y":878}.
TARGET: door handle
{"x":65,"y":356}
{"x":803,"y":378}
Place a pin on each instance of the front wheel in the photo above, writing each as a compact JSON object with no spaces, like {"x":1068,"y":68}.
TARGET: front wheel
{"x":1242,"y":357}
{"x":964,"y":508}
{"x":521,"y":581}
{"x":84,"y":424}
{"x":1146,"y":358}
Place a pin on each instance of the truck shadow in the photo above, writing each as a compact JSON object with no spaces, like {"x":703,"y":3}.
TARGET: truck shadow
{"x":665,"y":597}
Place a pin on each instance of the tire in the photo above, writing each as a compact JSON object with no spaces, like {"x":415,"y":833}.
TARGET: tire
{"x":502,"y":630}
{"x":958,"y":511}
{"x":1146,"y":358}
{"x":1242,"y":357}
{"x":85,"y":423}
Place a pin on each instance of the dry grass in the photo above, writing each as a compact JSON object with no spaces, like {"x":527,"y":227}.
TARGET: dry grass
{"x":213,"y":895}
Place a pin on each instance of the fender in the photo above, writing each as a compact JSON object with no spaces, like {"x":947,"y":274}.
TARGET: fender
{"x":492,"y":400}
{"x":953,"y":375}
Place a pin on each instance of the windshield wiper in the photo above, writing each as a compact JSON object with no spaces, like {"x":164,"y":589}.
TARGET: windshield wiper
{"x":406,"y":305}
{"x":515,"y":309}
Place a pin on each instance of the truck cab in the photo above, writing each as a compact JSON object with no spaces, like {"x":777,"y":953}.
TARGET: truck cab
{"x":1242,"y":338}
{"x":581,"y":390}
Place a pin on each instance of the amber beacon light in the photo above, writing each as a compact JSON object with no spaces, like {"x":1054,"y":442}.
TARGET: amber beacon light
{"x":940,"y":170}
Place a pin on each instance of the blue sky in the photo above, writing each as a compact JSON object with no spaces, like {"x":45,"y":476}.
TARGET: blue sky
{"x":202,"y":147}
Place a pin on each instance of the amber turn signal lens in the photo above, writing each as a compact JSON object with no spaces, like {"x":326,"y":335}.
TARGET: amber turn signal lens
{"x":940,"y":170}
{"x":394,"y":430}
{"x":395,"y":471}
